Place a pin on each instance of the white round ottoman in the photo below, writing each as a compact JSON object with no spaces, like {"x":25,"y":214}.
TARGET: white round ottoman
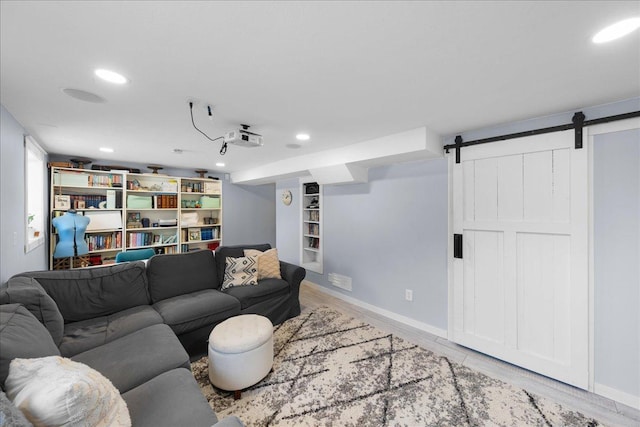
{"x":240,"y":352}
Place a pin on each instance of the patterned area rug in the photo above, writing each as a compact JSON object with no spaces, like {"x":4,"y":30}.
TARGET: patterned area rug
{"x":332,"y":370}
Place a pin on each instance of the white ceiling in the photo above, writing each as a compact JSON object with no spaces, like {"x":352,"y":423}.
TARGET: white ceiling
{"x":344,"y":72}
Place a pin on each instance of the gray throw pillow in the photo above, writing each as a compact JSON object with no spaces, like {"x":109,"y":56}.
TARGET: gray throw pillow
{"x":23,"y":336}
{"x":28,"y":292}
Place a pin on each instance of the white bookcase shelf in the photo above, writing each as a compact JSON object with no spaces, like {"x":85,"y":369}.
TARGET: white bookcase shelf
{"x":128,"y":211}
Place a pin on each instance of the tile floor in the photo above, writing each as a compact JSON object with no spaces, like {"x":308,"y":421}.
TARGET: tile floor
{"x":605,"y":410}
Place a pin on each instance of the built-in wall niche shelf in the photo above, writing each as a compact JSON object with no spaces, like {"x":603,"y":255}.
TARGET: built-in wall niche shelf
{"x":311,"y":244}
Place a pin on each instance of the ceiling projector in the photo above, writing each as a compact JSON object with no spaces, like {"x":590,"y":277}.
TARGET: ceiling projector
{"x":243,"y":138}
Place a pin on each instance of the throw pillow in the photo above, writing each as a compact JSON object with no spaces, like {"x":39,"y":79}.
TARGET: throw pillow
{"x":241,"y":271}
{"x":268,"y":263}
{"x":58,"y":391}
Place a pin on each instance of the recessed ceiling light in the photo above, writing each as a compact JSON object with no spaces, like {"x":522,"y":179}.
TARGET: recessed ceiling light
{"x":302,"y":137}
{"x":83,"y":95}
{"x":617,"y":30}
{"x":220,"y":164}
{"x":106,"y":149}
{"x":111,"y":76}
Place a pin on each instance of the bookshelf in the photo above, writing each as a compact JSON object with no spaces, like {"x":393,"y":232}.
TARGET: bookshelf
{"x":133,"y":211}
{"x":152,"y":212}
{"x":312,"y":242}
{"x":200,"y":214}
{"x":95,"y":194}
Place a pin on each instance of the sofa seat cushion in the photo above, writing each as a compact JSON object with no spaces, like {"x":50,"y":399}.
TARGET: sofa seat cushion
{"x":87,"y":334}
{"x":138,"y":357}
{"x":173,"y":398}
{"x":85,"y":293}
{"x":265,"y":290}
{"x":22,"y":336}
{"x":188,"y":312}
{"x":171,"y":275}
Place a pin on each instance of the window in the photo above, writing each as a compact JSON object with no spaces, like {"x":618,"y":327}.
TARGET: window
{"x":34,"y":167}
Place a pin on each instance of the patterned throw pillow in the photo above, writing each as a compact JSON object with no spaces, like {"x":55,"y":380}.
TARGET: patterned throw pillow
{"x":240,"y":271}
{"x":57,"y":391}
{"x":268,"y":263}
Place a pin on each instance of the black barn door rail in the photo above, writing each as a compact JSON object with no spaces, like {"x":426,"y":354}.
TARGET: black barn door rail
{"x":578,"y":122}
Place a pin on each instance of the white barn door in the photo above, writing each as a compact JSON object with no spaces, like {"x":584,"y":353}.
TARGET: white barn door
{"x":520,"y":291}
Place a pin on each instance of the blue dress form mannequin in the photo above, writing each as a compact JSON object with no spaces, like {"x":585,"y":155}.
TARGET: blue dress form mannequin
{"x":71,"y":228}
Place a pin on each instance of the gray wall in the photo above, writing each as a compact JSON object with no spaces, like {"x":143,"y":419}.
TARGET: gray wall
{"x":12,"y":203}
{"x":249,"y":214}
{"x":616,"y":187}
{"x":388,"y":235}
{"x":288,"y":226}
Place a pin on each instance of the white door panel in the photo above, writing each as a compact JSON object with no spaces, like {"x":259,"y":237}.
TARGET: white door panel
{"x":520,"y":292}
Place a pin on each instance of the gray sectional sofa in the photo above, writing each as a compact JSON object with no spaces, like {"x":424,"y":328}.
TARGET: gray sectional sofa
{"x":139,"y":325}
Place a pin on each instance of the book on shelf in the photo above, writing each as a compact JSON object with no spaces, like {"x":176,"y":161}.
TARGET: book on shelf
{"x":104,"y":241}
{"x":170,"y":239}
{"x":105,"y":180}
{"x":111,"y":199}
{"x":313,"y":229}
{"x":165,"y":201}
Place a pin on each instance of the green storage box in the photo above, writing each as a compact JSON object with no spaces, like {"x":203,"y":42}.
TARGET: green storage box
{"x":139,"y":202}
{"x":209,"y":202}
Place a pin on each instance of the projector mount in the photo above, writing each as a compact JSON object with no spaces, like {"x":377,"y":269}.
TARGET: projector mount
{"x":242,"y":137}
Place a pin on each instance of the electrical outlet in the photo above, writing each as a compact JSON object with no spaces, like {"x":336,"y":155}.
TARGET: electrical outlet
{"x":408,"y":294}
{"x":15,"y":238}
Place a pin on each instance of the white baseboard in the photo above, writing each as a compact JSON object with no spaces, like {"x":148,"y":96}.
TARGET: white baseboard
{"x":617,"y":395}
{"x":386,"y":313}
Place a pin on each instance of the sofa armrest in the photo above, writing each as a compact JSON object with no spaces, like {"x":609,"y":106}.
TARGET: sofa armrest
{"x":294,"y":275}
{"x":28,"y":292}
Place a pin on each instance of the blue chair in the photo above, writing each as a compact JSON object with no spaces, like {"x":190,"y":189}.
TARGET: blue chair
{"x":135,"y":255}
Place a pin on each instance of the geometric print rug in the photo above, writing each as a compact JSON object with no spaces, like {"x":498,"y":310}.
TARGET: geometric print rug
{"x":332,"y":370}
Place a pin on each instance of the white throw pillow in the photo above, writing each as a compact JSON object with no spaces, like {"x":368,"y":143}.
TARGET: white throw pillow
{"x":55,"y":391}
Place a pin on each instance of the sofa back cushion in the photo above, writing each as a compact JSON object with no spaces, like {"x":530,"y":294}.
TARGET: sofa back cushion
{"x":28,"y":292}
{"x":22,"y":336}
{"x":171,"y":275}
{"x":222,"y":252}
{"x":93,"y":292}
